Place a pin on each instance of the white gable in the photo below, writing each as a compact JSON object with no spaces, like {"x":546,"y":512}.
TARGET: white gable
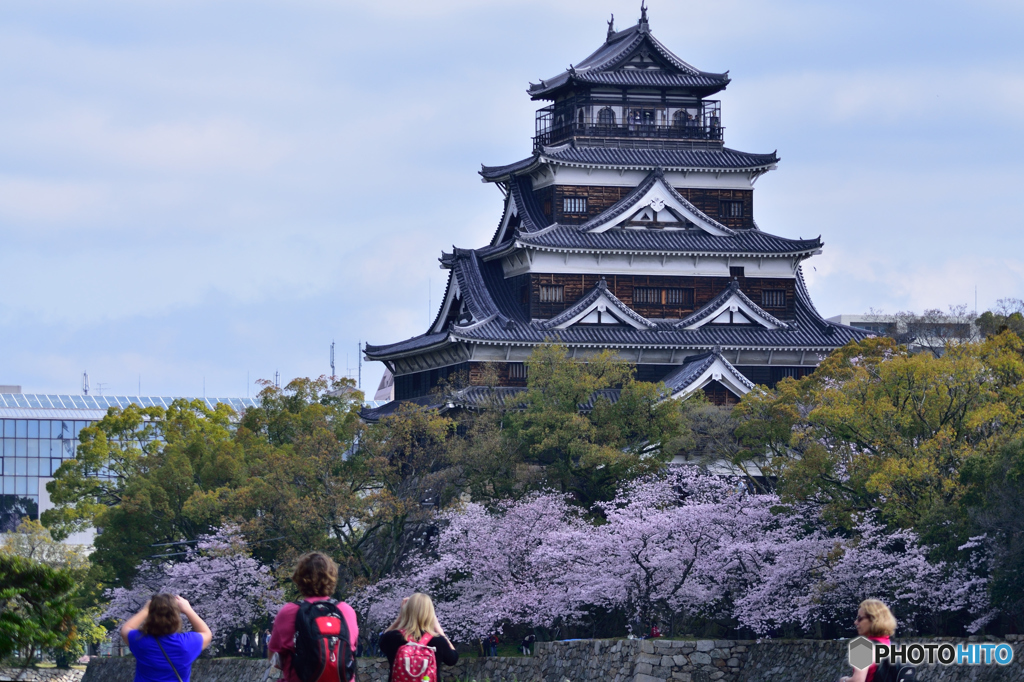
{"x":603,"y":311}
{"x":736,"y":309}
{"x":719,"y":371}
{"x":660,"y":203}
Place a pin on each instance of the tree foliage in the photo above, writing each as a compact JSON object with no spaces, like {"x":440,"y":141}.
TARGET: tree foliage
{"x":36,"y":610}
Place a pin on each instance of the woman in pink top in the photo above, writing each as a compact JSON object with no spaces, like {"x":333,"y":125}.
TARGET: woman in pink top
{"x":316,"y":576}
{"x":875,"y":621}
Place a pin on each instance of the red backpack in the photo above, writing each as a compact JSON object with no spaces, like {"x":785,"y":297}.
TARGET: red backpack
{"x":415,"y":661}
{"x":323,"y":650}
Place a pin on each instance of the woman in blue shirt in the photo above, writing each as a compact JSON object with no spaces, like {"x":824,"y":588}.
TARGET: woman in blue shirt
{"x":163,"y":653}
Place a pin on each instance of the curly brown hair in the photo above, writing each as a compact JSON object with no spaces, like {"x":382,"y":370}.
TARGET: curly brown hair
{"x":315,"y":575}
{"x":164,"y":617}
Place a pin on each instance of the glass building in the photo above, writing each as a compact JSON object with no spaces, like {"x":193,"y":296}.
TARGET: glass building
{"x":41,"y":431}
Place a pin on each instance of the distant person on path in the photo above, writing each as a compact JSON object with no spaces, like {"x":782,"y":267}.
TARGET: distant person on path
{"x":163,"y":653}
{"x":526,"y":645}
{"x":416,"y":625}
{"x":316,"y":576}
{"x":493,"y":641}
{"x":875,"y":621}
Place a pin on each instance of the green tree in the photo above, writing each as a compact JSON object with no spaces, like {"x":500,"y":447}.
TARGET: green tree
{"x":32,"y":541}
{"x":145,"y":476}
{"x":876,"y":426}
{"x":36,"y":610}
{"x":586,"y":442}
{"x":319,"y":479}
{"x":1008,"y":315}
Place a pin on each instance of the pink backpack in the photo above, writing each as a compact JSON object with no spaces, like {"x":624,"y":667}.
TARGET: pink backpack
{"x":415,"y":661}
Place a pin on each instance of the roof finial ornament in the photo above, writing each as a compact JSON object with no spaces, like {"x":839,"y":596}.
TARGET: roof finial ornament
{"x":611,"y":27}
{"x":643,"y":12}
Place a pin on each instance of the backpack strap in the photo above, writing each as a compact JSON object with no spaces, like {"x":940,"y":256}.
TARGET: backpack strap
{"x":425,"y":639}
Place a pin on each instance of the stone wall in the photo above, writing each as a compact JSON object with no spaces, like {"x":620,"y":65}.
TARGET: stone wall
{"x":619,"y":661}
{"x":40,"y":675}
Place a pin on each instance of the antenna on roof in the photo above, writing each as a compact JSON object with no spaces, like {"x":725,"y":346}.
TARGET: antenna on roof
{"x":611,"y":27}
{"x":643,"y":13}
{"x":85,"y":383}
{"x":359,"y":381}
{"x":333,"y":374}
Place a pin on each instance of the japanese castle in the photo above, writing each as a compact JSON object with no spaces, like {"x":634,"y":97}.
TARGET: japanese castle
{"x":630,"y":227}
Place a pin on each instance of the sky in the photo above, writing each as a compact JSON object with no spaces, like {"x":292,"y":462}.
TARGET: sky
{"x":197,"y":195}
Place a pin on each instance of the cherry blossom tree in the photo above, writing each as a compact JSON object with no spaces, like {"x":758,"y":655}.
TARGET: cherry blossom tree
{"x":228,"y":588}
{"x":687,"y":543}
{"x":514,"y":563}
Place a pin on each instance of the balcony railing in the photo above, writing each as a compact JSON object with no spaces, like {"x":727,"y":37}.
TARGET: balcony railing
{"x":691,"y":131}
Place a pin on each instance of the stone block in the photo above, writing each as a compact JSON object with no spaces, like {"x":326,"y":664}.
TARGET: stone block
{"x":733,"y":662}
{"x":700,"y":658}
{"x":666,"y":661}
{"x":679,"y":644}
{"x":679,"y":659}
{"x":647,"y":678}
{"x":643,"y":668}
{"x":717,"y":675}
{"x":739,"y":649}
{"x":647,"y":646}
{"x":650,"y":658}
{"x":724,"y":643}
{"x":705,"y":645}
{"x":682,"y":677}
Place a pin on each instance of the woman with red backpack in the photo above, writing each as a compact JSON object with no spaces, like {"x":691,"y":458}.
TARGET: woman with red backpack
{"x":415,"y":642}
{"x":316,"y":637}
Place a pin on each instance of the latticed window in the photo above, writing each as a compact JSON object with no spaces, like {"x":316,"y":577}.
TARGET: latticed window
{"x":731,"y":209}
{"x":574,"y":205}
{"x":773,"y":298}
{"x":517,"y":370}
{"x":552,"y":293}
{"x":606,"y":117}
{"x":649,"y":295}
{"x":680,"y":297}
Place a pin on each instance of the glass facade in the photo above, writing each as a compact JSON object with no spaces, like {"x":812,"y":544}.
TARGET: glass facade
{"x":32,"y":449}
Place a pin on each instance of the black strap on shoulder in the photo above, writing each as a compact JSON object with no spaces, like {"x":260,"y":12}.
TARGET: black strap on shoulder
{"x":157,"y":640}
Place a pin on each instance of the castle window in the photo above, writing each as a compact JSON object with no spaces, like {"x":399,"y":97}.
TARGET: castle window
{"x":730,"y":209}
{"x":574,"y":205}
{"x":648,"y":295}
{"x":736,"y":272}
{"x":680,"y":297}
{"x":606,"y":117}
{"x":552,"y":294}
{"x":773,"y":298}
{"x":517,"y":370}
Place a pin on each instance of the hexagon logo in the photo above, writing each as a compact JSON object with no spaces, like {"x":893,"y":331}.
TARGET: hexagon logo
{"x":862,"y":653}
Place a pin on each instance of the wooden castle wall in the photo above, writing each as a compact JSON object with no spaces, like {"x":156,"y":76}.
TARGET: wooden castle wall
{"x":704,"y":289}
{"x":599,"y":199}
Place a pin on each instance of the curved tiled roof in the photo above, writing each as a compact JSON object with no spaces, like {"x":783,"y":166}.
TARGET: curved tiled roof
{"x":597,"y":292}
{"x":685,"y":242}
{"x":711,"y":306}
{"x":641,"y":159}
{"x":696,"y":365}
{"x":608,"y":59}
{"x":503,"y":323}
{"x":669,"y":159}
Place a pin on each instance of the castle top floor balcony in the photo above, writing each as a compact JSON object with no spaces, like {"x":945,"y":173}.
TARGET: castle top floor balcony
{"x":627,"y":123}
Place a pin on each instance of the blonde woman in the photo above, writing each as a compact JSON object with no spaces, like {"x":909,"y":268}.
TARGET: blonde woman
{"x":875,"y":621}
{"x":416,"y":619}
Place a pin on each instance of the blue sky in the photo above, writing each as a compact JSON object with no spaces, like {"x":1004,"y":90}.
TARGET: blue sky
{"x":212,"y":191}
